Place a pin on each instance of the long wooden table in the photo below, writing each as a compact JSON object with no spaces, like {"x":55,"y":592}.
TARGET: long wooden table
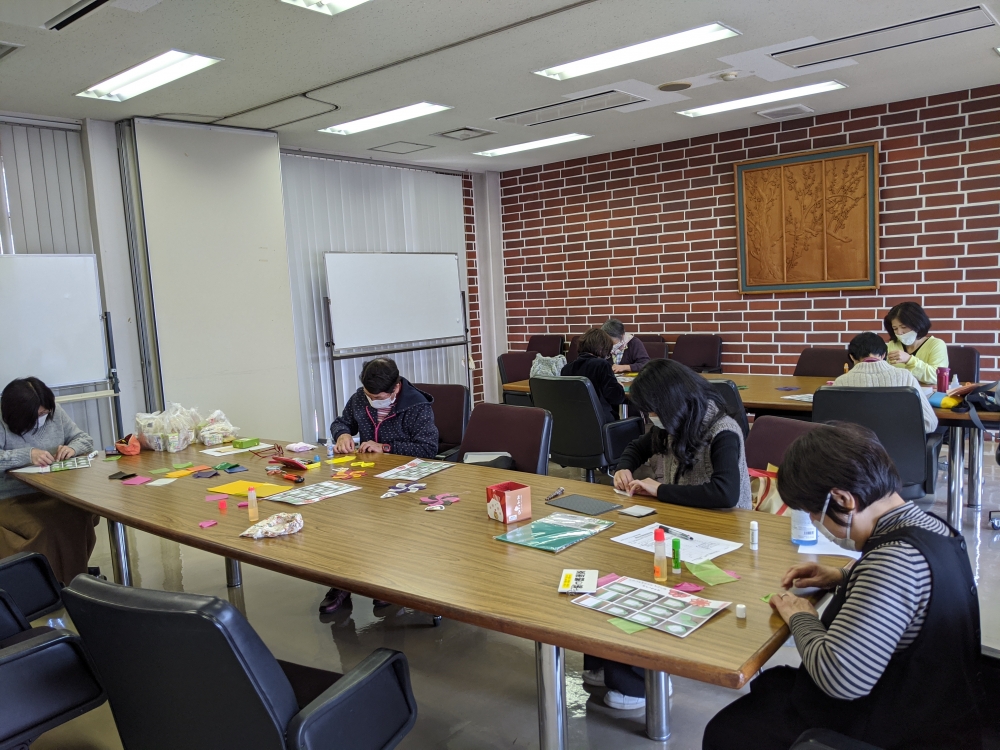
{"x":448,"y":563}
{"x":761,"y":393}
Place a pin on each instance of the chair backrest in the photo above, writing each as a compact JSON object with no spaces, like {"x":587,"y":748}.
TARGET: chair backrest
{"x":548,"y":345}
{"x":515,"y":366}
{"x":28,"y":579}
{"x":181,"y":670}
{"x":657,"y":349}
{"x":650,"y":338}
{"x":574,"y":349}
{"x":821,"y":362}
{"x":893,"y":414}
{"x":734,"y":402}
{"x":525,"y":432}
{"x":452,"y":407}
{"x":964,"y":362}
{"x":770,"y":437}
{"x":578,"y":426}
{"x":699,"y":351}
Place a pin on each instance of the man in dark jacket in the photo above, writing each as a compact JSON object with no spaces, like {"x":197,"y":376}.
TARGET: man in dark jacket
{"x":628,"y":353}
{"x":593,"y":364}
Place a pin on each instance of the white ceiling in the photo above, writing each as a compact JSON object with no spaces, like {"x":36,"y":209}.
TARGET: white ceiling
{"x":273,"y":50}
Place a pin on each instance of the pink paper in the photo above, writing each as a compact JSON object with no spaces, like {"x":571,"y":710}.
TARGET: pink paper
{"x":732,"y":574}
{"x":691,"y":588}
{"x":609,"y":578}
{"x":206,"y":524}
{"x":213,"y":498}
{"x":138,"y":480}
{"x":243,"y":505}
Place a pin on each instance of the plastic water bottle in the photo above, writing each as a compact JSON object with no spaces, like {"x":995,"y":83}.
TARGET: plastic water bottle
{"x":803,"y":531}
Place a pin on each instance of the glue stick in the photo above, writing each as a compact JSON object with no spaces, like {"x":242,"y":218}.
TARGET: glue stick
{"x":754,"y":531}
{"x":677,"y":556}
{"x":252,"y":503}
{"x":659,"y":555}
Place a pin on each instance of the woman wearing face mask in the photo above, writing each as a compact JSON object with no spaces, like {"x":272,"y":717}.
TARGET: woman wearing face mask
{"x":894,"y":659}
{"x":910,"y":346}
{"x":628,"y":354}
{"x":35,"y":431}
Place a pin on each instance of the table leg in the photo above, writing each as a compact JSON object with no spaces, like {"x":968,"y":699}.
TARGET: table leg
{"x":121,"y":567}
{"x":550,"y":670}
{"x":234,"y":585}
{"x":657,"y":705}
{"x":956,"y":469}
{"x":976,"y":450}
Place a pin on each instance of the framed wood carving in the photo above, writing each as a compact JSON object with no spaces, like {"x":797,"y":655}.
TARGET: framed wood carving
{"x":809,"y":221}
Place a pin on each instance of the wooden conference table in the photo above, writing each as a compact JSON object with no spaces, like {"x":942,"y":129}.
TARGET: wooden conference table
{"x":448,"y":563}
{"x":762,"y":394}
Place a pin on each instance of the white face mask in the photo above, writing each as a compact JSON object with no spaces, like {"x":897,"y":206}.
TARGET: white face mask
{"x":907,"y":339}
{"x":656,"y":421}
{"x":41,"y":421}
{"x":846,"y":543}
{"x":382,"y":403}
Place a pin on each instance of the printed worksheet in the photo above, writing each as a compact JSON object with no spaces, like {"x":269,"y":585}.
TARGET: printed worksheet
{"x":695,"y":548}
{"x":806,"y":397}
{"x":415,"y":469}
{"x":658,"y":607}
{"x":313,"y":493}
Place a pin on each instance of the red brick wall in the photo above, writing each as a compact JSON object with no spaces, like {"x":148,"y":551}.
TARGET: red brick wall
{"x":475,"y":330}
{"x":648,"y":235}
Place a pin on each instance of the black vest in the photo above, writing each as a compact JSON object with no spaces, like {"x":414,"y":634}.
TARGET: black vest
{"x":929,"y":694}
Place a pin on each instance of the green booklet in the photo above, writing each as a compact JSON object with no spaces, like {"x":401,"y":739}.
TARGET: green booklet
{"x":556,"y":532}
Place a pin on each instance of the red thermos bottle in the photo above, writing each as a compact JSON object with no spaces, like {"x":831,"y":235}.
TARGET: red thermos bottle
{"x":943,"y":376}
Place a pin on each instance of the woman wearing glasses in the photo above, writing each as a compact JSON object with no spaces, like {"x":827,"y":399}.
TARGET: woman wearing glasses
{"x":910,"y":346}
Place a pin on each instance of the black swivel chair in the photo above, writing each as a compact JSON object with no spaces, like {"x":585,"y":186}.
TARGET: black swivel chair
{"x":188,"y":671}
{"x":822,"y":362}
{"x":515,"y":366}
{"x":46,"y":677}
{"x":579,"y":435}
{"x":826,"y":739}
{"x":700,"y":351}
{"x":896,"y":417}
{"x":523,"y":432}
{"x":657,"y":349}
{"x":452,"y":407}
{"x":548,"y":344}
{"x":734,"y":402}
{"x":964,"y":362}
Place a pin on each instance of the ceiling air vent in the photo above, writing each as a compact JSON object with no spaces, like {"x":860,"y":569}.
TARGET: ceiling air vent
{"x":466,"y":134}
{"x":7,"y":47}
{"x":400,"y":147}
{"x":73,"y":14}
{"x":572,"y":108}
{"x":786,"y":113}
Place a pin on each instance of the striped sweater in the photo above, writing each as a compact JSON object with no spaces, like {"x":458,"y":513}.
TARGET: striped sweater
{"x":888,"y":593}
{"x":880,"y":374}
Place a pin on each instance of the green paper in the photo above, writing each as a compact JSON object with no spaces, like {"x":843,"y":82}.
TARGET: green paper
{"x":766,"y":598}
{"x":555,"y":532}
{"x":742,"y":387}
{"x":184,"y":466}
{"x":710,"y":573}
{"x":628,"y":627}
{"x":159,"y":471}
{"x":221,"y":467}
{"x":112,"y":458}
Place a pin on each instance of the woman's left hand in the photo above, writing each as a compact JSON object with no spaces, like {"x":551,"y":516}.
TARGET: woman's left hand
{"x":643,"y":487}
{"x":787,"y":604}
{"x":63,"y":452}
{"x":899,"y":357}
{"x":621,"y":368}
{"x":370,"y":446}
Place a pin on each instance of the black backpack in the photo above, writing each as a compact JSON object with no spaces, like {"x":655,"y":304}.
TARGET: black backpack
{"x":983,"y":398}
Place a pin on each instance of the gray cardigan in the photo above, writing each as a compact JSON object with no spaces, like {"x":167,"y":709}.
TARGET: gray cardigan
{"x":15,"y":450}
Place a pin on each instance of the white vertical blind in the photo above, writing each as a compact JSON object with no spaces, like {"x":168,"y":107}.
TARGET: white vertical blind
{"x":46,"y":208}
{"x":339,"y":206}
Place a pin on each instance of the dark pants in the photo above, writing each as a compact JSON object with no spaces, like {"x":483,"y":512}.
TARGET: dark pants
{"x":630,"y":681}
{"x":58,"y":530}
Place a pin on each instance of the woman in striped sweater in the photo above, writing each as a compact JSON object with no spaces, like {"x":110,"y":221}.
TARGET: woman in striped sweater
{"x":894,"y":659}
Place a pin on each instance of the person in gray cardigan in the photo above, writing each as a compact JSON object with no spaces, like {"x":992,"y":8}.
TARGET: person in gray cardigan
{"x":35,"y":431}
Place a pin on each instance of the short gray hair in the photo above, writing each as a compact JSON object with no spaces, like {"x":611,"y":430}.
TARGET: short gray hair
{"x":614,"y":328}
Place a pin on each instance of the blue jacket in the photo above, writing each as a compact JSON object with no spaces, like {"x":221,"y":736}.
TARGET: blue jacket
{"x":409,"y":430}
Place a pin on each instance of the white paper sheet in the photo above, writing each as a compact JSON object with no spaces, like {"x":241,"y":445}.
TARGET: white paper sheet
{"x":228,"y":450}
{"x":696,"y":550}
{"x":824,"y":546}
{"x":31,"y":470}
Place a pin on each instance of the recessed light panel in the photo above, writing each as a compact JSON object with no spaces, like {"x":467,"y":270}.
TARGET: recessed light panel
{"x":329,"y":7}
{"x":533,"y":144}
{"x":385,"y":118}
{"x":572,"y":108}
{"x":643,"y":51}
{"x":774,"y":96}
{"x":160,"y":70}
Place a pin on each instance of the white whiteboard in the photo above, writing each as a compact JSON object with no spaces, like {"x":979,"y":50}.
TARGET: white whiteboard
{"x":393,"y":298}
{"x":52,"y":327}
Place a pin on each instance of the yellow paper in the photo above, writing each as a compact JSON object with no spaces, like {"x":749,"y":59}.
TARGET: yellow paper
{"x":240,"y":488}
{"x":178,"y":474}
{"x":363,"y":463}
{"x":342,"y":460}
{"x":315,"y":465}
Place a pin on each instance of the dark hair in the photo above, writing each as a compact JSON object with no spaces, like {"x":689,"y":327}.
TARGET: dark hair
{"x":596,"y":342}
{"x":379,"y":375}
{"x":867,"y":344}
{"x":614,"y":328}
{"x":19,"y":403}
{"x":836,"y":456}
{"x":911,"y":315}
{"x":681,"y":399}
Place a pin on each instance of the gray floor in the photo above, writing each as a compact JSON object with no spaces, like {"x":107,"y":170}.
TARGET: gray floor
{"x":475,"y":688}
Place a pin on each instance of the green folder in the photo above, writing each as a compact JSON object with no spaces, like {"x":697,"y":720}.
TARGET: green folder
{"x":556,"y":532}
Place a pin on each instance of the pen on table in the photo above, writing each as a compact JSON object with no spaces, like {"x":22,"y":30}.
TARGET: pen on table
{"x":555,"y":494}
{"x":675,"y":532}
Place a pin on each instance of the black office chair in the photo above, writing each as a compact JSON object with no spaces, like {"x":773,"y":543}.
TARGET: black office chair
{"x":699,"y":351}
{"x":515,"y":366}
{"x":770,"y":437}
{"x":963,"y":361}
{"x":547,"y":344}
{"x":188,"y":671}
{"x":452,"y":407}
{"x":827,"y":739}
{"x":523,"y":432}
{"x":734,"y":403}
{"x":46,"y":677}
{"x":895,"y":416}
{"x":821,"y":362}
{"x":579,"y":436}
{"x":657,"y":349}
{"x":650,"y":338}
{"x":574,"y":349}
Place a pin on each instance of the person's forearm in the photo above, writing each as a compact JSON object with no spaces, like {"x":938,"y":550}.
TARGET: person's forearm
{"x":713,"y":494}
{"x":81,"y":444}
{"x":16,"y":458}
{"x":636,"y":453}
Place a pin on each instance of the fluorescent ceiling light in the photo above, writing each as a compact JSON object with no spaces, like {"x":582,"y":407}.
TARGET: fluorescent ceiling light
{"x":385,"y":118}
{"x":533,"y":144}
{"x":330,"y":7}
{"x":148,"y":75}
{"x":774,"y":96}
{"x":653,"y":48}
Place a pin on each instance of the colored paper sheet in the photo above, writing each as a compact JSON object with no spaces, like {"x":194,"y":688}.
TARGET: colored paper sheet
{"x":236,"y":469}
{"x":184,"y":465}
{"x":207,"y":524}
{"x":766,"y":597}
{"x":625,"y":625}
{"x":138,"y":480}
{"x":161,"y":482}
{"x":342,"y":459}
{"x":225,"y":465}
{"x":214,"y":498}
{"x":690,"y":588}
{"x":363,"y":464}
{"x":112,"y":458}
{"x":206,"y":474}
{"x":264,"y":489}
{"x":242,"y":505}
{"x":178,"y":474}
{"x":314,"y":465}
{"x":158,"y":471}
{"x":733,"y":574}
{"x":200,"y":467}
{"x":710,"y":573}
{"x":606,"y":579}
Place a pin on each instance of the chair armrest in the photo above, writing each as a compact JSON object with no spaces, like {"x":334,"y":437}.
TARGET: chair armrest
{"x":446,"y":456}
{"x":12,"y":621}
{"x":370,"y":708}
{"x":617,"y":436}
{"x":28,"y":578}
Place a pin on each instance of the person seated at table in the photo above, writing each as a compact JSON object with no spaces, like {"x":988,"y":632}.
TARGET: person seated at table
{"x":628,"y":353}
{"x":390,"y":416}
{"x":904,"y":616}
{"x":593,"y":364}
{"x":36,"y":431}
{"x":868,"y":351}
{"x":910,"y":346}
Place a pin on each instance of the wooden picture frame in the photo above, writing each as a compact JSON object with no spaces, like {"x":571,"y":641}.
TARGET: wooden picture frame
{"x":808,"y":221}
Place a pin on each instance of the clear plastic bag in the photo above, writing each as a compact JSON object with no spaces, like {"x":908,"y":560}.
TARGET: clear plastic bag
{"x":216,"y":429}
{"x":171,"y":430}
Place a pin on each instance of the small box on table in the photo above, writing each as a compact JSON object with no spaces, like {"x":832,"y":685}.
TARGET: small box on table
{"x":508,"y":502}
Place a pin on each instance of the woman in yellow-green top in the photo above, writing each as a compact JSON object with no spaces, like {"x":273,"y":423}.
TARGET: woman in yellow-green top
{"x":909,"y":345}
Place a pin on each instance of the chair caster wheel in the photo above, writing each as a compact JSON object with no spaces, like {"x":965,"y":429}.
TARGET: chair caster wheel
{"x":436,"y":620}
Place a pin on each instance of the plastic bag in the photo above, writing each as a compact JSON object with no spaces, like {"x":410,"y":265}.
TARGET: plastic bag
{"x":170,"y":430}
{"x":279,"y":524}
{"x":551,"y":366}
{"x":216,"y":429}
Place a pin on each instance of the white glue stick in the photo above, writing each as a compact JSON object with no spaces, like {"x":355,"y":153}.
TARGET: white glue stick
{"x":741,"y":611}
{"x":753,"y":535}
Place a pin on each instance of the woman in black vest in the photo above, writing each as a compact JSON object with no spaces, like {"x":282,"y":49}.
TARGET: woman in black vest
{"x":894,"y":660}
